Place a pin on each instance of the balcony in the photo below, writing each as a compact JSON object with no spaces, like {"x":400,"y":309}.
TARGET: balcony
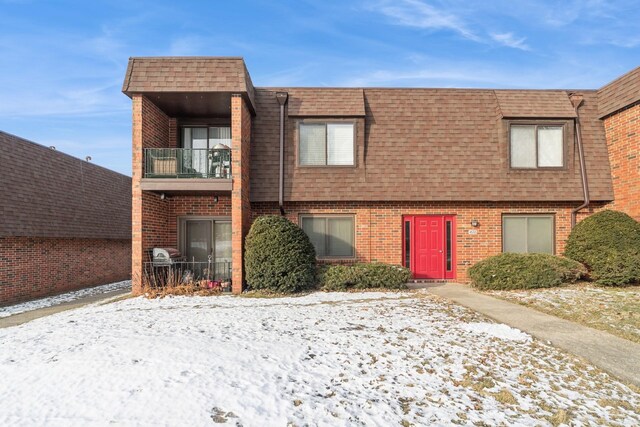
{"x":186,"y":169}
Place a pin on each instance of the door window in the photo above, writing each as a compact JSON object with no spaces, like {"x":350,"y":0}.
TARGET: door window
{"x":206,"y":245}
{"x":206,"y":149}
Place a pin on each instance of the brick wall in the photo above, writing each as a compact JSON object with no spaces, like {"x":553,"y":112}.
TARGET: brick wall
{"x":240,"y":204}
{"x":32,"y":267}
{"x":623,"y":142}
{"x":179,"y":206}
{"x":379,"y":225}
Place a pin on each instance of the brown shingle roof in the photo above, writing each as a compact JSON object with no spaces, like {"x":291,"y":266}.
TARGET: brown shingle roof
{"x":620,"y":93}
{"x":534,"y":104}
{"x":46,"y":193}
{"x":187,"y":74}
{"x":329,"y":102}
{"x":430,"y":144}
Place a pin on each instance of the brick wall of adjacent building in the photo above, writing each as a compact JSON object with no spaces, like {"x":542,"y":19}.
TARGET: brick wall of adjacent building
{"x":32,"y":267}
{"x":623,"y":142}
{"x":379,"y":225}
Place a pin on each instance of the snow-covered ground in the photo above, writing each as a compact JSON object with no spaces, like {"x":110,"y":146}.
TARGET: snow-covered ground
{"x":10,"y":310}
{"x":338,"y":359}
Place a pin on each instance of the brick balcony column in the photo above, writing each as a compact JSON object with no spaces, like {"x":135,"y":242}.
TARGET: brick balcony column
{"x":240,"y":205}
{"x":136,"y":194}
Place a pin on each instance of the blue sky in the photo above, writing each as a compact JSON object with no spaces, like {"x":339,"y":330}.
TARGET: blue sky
{"x":62,"y":62}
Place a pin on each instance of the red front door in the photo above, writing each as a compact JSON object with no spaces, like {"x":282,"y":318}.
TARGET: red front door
{"x":429,"y":248}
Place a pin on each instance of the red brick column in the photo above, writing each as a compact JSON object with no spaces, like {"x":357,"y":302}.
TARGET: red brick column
{"x":151,"y":128}
{"x":240,"y":205}
{"x":136,"y":195}
{"x":622,"y":131}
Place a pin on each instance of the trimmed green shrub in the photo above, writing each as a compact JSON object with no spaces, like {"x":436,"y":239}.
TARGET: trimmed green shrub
{"x":614,"y":268}
{"x":363,"y":276}
{"x":524,"y":271}
{"x":279,"y":256}
{"x":608,"y":243}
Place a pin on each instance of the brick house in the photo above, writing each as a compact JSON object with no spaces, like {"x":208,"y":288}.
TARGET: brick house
{"x":433,"y":179}
{"x":65,"y":223}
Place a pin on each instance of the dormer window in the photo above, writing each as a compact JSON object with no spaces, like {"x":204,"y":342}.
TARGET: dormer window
{"x":326,"y":144}
{"x":536,"y":146}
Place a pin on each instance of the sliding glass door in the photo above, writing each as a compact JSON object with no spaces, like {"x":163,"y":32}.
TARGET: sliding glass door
{"x":206,"y":244}
{"x":200,"y":141}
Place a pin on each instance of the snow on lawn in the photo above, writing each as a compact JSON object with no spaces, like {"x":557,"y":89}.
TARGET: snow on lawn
{"x":338,"y":359}
{"x":62,"y":298}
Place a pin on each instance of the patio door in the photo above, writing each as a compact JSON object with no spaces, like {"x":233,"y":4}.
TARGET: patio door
{"x":199,"y":141}
{"x":198,"y":240}
{"x":429,"y":246}
{"x":206,"y":242}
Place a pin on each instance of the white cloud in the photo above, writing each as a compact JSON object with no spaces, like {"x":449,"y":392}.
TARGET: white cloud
{"x":509,"y":40}
{"x":415,"y":13}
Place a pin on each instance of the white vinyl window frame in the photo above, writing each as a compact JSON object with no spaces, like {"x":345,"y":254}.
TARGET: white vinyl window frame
{"x":538,"y":162}
{"x":331,"y":158}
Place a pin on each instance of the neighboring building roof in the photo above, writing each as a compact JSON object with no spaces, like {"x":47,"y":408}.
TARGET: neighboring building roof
{"x":187,"y":74}
{"x":46,"y":193}
{"x":620,"y":93}
{"x":326,"y":102}
{"x":432,"y":144}
{"x":534,"y":103}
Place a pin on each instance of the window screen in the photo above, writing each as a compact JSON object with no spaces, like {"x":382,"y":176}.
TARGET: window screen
{"x":331,"y":236}
{"x":523,"y":146}
{"x":312,"y":144}
{"x":550,"y":146}
{"x":324,"y":144}
{"x":527,"y":234}
{"x":534,"y":146}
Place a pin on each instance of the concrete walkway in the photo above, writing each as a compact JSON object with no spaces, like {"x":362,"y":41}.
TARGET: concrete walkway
{"x":27,"y":316}
{"x":617,"y":356}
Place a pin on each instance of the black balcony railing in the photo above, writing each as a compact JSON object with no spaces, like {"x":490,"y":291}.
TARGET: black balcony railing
{"x":187,"y":163}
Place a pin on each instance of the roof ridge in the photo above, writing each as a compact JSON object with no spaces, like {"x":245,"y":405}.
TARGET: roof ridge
{"x":419,"y":88}
{"x":628,"y":73}
{"x":188,"y":57}
{"x":56,"y":152}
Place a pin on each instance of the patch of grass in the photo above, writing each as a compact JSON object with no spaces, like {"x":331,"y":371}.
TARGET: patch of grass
{"x":616,"y":403}
{"x":559,"y":417}
{"x":264,"y":293}
{"x":505,"y":396}
{"x":612,"y":309}
{"x":405,"y":404}
{"x":178,"y":290}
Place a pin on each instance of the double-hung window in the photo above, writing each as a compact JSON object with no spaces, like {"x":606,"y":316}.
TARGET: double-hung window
{"x":536,"y":146}
{"x":326,"y":144}
{"x":528,"y":233}
{"x":332,"y":236}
